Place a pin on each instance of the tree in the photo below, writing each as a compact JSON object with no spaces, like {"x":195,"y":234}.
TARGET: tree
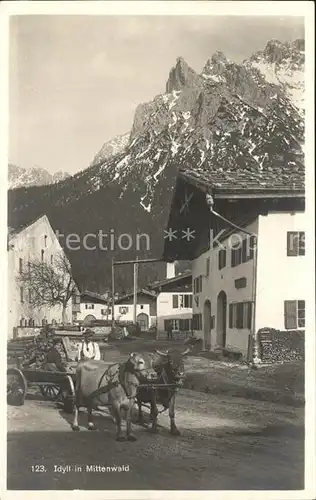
{"x":49,"y":284}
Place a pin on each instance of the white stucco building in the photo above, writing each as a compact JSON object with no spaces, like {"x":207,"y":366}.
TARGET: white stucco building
{"x":247,"y":251}
{"x":90,"y":306}
{"x":145,"y":309}
{"x":174,"y":302}
{"x":239,"y":290}
{"x":37,"y":241}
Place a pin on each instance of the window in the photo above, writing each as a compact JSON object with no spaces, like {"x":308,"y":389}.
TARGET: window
{"x":197,"y":284}
{"x":175,"y":324}
{"x":222,"y":258}
{"x":236,"y":255}
{"x":20,"y":265}
{"x":240,"y":315}
{"x":185,"y":301}
{"x":142,"y":307}
{"x":185,"y":325}
{"x":241,"y":283}
{"x":188,"y":301}
{"x":197,"y":321}
{"x":207,"y":273}
{"x":42,"y":255}
{"x":294,"y":314}
{"x":123,"y":310}
{"x":21,"y":294}
{"x":45,"y":241}
{"x":295,"y":243}
{"x":89,"y":306}
{"x":243,"y":251}
{"x":76,"y":299}
{"x":175,"y":301}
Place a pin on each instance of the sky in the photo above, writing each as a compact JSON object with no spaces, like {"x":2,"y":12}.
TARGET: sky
{"x":75,"y":81}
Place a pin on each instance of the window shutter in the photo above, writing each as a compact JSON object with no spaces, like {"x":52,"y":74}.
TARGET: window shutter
{"x":244,"y":250}
{"x":230,"y":315}
{"x":175,"y":301}
{"x":252,"y":246}
{"x":239,"y":322}
{"x":301,"y":244}
{"x":249,"y":315}
{"x":290,"y":319}
{"x":233,"y":257}
{"x":292,"y":243}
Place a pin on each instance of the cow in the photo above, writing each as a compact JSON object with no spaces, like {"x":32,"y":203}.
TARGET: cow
{"x":98,"y":384}
{"x":169,"y":368}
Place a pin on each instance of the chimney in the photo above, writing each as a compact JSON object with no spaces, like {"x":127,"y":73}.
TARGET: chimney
{"x":171,"y":270}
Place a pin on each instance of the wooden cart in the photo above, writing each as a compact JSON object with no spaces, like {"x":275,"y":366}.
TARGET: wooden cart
{"x":55,"y":386}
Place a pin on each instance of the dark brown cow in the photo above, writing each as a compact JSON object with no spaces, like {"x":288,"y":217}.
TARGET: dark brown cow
{"x":169,"y":367}
{"x":97,"y":384}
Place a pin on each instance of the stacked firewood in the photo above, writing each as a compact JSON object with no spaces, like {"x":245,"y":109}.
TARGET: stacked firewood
{"x":278,"y":346}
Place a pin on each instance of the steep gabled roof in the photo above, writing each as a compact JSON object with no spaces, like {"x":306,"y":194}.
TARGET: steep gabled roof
{"x":14,"y":231}
{"x":175,"y":279}
{"x":143,"y":291}
{"x":93,"y":297}
{"x":277,"y":182}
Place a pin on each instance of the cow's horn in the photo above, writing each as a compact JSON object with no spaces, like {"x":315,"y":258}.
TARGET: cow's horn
{"x":186,"y":351}
{"x":161,"y":353}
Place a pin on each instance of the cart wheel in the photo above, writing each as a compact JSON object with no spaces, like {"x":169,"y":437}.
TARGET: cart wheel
{"x":16,"y":387}
{"x":51,"y":392}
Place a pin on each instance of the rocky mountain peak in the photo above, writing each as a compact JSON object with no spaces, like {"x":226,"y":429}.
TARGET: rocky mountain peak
{"x":34,"y":176}
{"x":282,"y":64}
{"x":181,"y":75}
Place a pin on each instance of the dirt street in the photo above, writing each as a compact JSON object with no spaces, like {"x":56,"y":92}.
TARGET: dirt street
{"x":241,"y":429}
{"x":226,"y":443}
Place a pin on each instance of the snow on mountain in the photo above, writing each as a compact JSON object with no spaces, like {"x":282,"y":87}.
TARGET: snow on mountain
{"x":228,"y":118}
{"x":283,"y":64}
{"x":111,"y":148}
{"x":35,"y":176}
{"x":229,"y":124}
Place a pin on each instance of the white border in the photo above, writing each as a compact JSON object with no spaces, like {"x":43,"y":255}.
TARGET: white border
{"x":262,"y":8}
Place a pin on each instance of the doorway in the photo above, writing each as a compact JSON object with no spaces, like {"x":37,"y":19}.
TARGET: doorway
{"x":221,"y":319}
{"x":207,"y":323}
{"x":143,"y":321}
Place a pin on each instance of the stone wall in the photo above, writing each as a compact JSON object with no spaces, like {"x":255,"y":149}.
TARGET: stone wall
{"x":281,"y":345}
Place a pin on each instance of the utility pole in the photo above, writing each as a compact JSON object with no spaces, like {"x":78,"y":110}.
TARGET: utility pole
{"x":113,"y":292}
{"x":135,"y":290}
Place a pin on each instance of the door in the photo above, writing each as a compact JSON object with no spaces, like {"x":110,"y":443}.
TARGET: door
{"x":143,"y":321}
{"x":221,"y":319}
{"x":88,"y":319}
{"x":207,"y":323}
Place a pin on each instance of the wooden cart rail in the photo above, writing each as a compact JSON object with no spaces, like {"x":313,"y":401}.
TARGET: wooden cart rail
{"x":53,"y":385}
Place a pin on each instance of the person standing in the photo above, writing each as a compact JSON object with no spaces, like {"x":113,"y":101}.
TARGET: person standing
{"x":169,"y":330}
{"x":87,"y":348}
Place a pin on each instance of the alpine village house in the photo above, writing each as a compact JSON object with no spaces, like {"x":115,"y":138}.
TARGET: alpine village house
{"x":247,"y":249}
{"x":36,"y":241}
